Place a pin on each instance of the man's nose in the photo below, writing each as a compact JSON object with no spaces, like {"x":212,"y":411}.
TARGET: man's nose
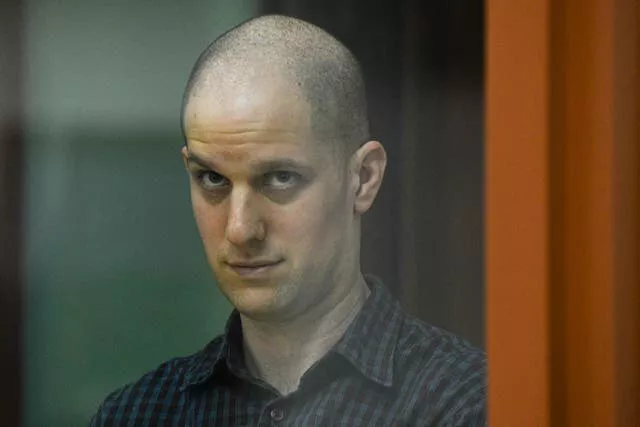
{"x":244,"y":224}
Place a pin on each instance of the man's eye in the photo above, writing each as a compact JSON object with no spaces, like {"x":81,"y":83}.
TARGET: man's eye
{"x":282,"y":180}
{"x":210,"y":180}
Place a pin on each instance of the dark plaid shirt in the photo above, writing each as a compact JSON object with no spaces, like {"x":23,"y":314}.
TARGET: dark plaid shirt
{"x":389,"y":369}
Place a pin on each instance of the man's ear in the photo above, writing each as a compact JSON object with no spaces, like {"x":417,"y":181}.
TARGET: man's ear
{"x":185,"y":156}
{"x":370,"y":163}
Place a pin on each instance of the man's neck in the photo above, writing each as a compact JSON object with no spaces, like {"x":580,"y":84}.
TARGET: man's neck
{"x":281,"y":353}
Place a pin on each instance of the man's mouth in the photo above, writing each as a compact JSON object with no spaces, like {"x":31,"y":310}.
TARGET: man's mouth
{"x":254,"y":268}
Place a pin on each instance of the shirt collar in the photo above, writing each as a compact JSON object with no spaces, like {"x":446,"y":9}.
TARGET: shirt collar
{"x":226,"y":347}
{"x":369,"y":343}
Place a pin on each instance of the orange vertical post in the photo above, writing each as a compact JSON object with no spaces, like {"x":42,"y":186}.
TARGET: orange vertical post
{"x":517,"y":193}
{"x":562,"y":212}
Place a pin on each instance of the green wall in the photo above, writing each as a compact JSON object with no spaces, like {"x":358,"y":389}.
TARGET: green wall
{"x":117,"y":281}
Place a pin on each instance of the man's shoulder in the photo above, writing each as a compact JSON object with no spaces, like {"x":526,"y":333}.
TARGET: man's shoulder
{"x":154,"y":392}
{"x":423,"y":340}
{"x":442,"y":369}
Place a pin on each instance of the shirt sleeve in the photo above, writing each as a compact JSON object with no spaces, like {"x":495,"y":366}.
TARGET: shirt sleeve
{"x":467,"y":406}
{"x":473,"y":416}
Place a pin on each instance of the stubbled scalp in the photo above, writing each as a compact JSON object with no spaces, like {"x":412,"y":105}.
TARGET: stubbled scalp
{"x":305,"y":56}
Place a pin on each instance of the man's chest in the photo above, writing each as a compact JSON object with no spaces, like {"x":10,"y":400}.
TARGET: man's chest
{"x":340,"y":403}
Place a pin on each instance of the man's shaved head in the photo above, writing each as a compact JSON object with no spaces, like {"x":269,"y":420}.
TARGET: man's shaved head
{"x":307,"y":58}
{"x":281,"y":167}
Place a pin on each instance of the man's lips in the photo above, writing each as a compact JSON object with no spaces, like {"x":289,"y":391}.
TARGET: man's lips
{"x":253,"y":268}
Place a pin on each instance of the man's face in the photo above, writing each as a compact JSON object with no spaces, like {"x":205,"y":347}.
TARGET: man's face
{"x":273,"y":208}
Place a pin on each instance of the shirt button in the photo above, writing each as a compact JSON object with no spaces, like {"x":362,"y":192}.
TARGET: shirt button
{"x":276,"y":414}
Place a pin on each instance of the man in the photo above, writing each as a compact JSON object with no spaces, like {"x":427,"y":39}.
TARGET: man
{"x":281,"y":171}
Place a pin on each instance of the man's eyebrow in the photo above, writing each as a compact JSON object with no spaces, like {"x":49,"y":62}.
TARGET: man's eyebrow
{"x":279,"y":164}
{"x":192,"y":158}
{"x":258,"y":167}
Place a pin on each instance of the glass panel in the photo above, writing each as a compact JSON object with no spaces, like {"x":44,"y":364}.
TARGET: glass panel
{"x":116,"y":277}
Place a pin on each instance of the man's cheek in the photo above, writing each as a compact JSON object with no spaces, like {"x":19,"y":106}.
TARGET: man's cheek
{"x":210,"y":224}
{"x":200,"y":216}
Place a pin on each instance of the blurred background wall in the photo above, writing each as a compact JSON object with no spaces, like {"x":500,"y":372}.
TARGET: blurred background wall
{"x":114,"y":280}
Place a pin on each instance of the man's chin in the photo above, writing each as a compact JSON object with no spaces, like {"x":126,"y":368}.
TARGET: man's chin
{"x":256,"y":302}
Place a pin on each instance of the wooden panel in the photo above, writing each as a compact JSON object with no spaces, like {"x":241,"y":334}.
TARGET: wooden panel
{"x":517,"y":265}
{"x":581,"y":100}
{"x":595,"y":213}
{"x":562,"y":246}
{"x":440,"y":183}
{"x":626,"y":199}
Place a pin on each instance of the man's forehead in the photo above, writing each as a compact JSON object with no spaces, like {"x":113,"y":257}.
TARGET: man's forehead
{"x":259,"y":146}
{"x":240,"y":146}
{"x":237,"y":132}
{"x":225,"y":105}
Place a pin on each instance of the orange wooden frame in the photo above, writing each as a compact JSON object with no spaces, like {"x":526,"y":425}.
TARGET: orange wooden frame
{"x":562,"y":212}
